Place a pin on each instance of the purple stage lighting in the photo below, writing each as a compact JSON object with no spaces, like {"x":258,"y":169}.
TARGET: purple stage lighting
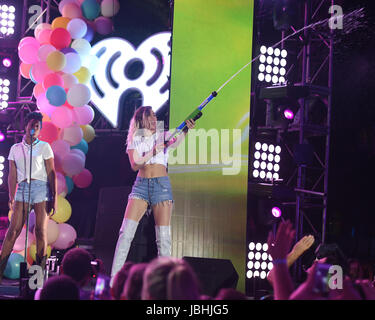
{"x":288,"y":114}
{"x":7,"y":62}
{"x":276,"y":212}
{"x":2,"y":137}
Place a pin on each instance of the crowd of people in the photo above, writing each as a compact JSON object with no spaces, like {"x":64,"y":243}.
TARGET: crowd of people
{"x":168,"y":278}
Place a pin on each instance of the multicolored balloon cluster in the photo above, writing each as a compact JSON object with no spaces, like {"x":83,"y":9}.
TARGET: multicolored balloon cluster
{"x":59,"y":62}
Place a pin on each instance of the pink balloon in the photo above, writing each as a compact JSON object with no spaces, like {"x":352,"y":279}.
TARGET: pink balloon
{"x":60,"y":148}
{"x":78,"y":152}
{"x":67,"y":237}
{"x":28,"y":53}
{"x":60,"y":38}
{"x":52,"y":79}
{"x":64,"y":2}
{"x":83,"y":179}
{"x":83,"y":115}
{"x":72,"y":164}
{"x":39,"y":71}
{"x":71,"y":11}
{"x":61,"y":183}
{"x":44,"y":51}
{"x":62,"y":117}
{"x":20,"y":242}
{"x":44,"y":36}
{"x":44,"y":106}
{"x":49,"y":132}
{"x":28,"y":40}
{"x":73,"y":135}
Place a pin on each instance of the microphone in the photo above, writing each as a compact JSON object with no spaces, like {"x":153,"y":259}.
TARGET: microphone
{"x":32,"y":131}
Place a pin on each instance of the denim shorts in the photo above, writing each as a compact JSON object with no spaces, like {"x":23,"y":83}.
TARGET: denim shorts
{"x":152,"y":190}
{"x":40,"y":191}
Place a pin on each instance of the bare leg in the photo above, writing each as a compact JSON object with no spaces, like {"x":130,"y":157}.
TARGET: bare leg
{"x":14,"y":230}
{"x":41,"y":222}
{"x":162,"y":213}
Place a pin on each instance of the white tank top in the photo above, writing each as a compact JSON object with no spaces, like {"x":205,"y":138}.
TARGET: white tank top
{"x":143,"y":144}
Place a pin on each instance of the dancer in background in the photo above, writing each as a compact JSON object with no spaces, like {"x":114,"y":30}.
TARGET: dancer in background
{"x":148,"y":155}
{"x":42,"y":190}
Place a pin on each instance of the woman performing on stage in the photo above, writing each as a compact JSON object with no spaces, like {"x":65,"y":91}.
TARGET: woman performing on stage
{"x":148,"y":155}
{"x":42,"y":190}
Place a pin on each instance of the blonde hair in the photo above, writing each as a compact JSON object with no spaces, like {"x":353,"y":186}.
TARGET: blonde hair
{"x":139,"y":121}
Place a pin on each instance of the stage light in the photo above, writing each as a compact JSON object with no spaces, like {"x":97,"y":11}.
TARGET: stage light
{"x":2,"y":160}
{"x":259,"y":263}
{"x":2,"y":136}
{"x":4,"y":93}
{"x":267,"y":158}
{"x":7,"y":63}
{"x":276,"y":212}
{"x":7,"y":20}
{"x":272,"y":63}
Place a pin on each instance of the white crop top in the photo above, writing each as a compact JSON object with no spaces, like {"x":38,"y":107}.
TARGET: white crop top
{"x":20,"y":154}
{"x":143,"y":144}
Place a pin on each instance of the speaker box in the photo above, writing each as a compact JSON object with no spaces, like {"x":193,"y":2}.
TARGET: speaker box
{"x":213,"y":274}
{"x":111,"y":208}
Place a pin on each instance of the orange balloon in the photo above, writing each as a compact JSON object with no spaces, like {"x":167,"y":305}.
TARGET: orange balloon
{"x":60,"y":22}
{"x":25,"y":70}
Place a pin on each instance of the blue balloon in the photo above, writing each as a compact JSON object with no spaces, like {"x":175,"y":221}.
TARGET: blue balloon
{"x":69,"y":184}
{"x":90,"y":9}
{"x":82,"y":145}
{"x":89,"y":34}
{"x":12,"y":270}
{"x":56,"y":96}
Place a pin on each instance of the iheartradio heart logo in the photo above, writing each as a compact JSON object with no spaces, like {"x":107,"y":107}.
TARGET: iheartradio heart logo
{"x":124,"y":68}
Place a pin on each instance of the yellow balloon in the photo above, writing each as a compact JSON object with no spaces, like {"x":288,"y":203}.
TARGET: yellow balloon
{"x":60,"y":22}
{"x":56,"y":60}
{"x":88,"y":132}
{"x":83,"y":75}
{"x":33,"y":251}
{"x":63,"y":210}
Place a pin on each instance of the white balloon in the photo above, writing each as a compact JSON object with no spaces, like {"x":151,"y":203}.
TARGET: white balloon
{"x":73,"y":62}
{"x":79,"y":95}
{"x":77,"y":28}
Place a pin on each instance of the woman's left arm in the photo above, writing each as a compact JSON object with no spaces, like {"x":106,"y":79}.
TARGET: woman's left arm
{"x":51,"y":175}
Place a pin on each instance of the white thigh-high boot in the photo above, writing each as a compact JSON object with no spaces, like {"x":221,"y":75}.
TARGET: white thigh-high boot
{"x":126,"y":235}
{"x":163,"y":240}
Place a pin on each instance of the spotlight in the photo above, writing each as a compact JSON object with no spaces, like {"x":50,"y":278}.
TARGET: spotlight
{"x":272,"y":65}
{"x":7,"y":20}
{"x":266,"y":164}
{"x":4,"y":93}
{"x":259,"y":261}
{"x":276,"y":212}
{"x":7,"y":63}
{"x":2,"y":136}
{"x":2,"y":160}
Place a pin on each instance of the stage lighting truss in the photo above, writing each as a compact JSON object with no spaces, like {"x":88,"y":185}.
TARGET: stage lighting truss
{"x":4,"y":93}
{"x":266,"y":161}
{"x":2,"y":168}
{"x":7,"y":20}
{"x":272,"y":65}
{"x":259,"y":261}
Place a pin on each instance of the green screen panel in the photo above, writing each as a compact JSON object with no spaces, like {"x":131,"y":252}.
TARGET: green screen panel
{"x":212,"y":39}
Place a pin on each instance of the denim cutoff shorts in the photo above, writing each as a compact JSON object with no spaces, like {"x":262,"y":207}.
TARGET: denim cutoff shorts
{"x":40,"y":191}
{"x":152,"y":190}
